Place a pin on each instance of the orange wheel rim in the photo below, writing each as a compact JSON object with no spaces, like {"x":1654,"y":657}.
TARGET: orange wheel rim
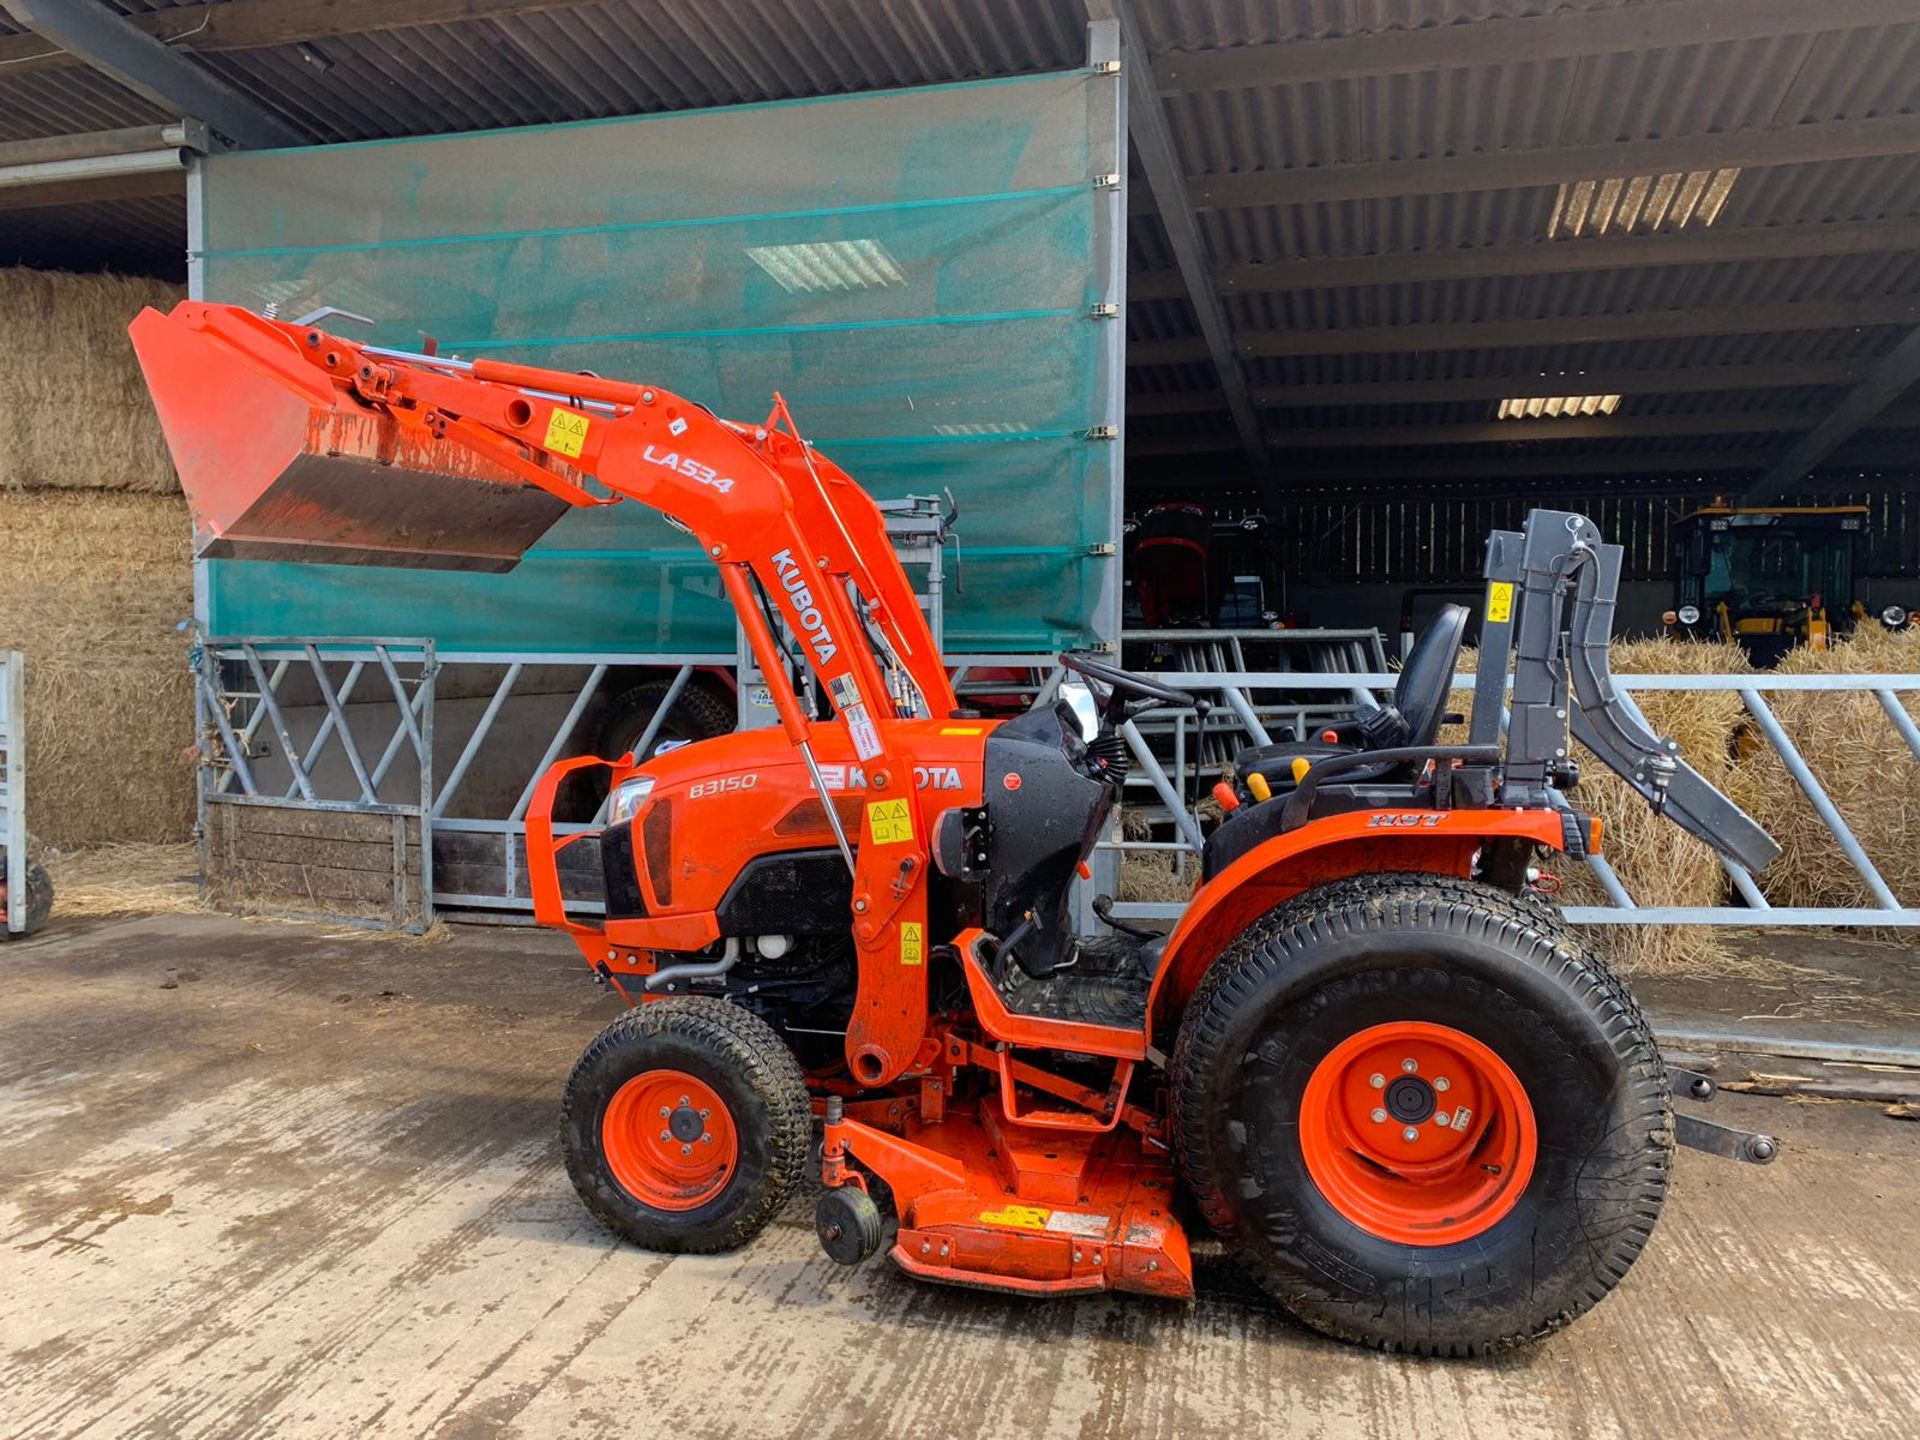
{"x":669,"y":1140}
{"x":1418,"y":1133}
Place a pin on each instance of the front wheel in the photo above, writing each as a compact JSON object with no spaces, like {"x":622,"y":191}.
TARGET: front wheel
{"x":1427,"y":1119}
{"x":685,"y":1125}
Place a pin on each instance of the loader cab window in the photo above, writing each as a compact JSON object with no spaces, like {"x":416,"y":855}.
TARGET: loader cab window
{"x":1752,"y":568}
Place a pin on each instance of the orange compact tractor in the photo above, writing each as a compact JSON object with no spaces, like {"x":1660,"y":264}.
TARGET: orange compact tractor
{"x":1418,"y":1107}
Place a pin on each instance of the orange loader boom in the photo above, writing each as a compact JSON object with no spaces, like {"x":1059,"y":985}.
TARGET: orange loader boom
{"x":292,"y":443}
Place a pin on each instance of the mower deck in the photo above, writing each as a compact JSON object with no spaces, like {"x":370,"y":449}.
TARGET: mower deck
{"x":1001,"y":1206}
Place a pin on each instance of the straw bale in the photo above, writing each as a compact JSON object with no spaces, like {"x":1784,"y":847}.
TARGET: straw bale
{"x":93,"y":588}
{"x":1657,"y":862}
{"x":1861,"y":761}
{"x":128,"y":879}
{"x":74,"y":413}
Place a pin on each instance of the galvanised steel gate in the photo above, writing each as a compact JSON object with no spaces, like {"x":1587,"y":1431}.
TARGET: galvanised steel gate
{"x":1172,"y":791}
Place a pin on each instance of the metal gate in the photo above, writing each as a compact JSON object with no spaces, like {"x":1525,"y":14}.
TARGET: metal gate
{"x":316,"y":781}
{"x":1170,"y":783}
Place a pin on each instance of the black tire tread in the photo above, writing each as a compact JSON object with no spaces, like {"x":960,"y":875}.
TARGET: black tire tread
{"x":697,"y":707}
{"x":1434,"y":901}
{"x":766,"y":1066}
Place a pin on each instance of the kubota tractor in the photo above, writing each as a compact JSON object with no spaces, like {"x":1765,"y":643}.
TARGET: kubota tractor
{"x":1419,"y":1108}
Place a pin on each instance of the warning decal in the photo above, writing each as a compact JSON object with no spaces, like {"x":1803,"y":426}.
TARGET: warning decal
{"x":566,"y":432}
{"x":1090,"y":1227}
{"x":862,"y":731}
{"x":889,"y":821}
{"x":1499,"y":602}
{"x":913,"y":943}
{"x":1018,"y":1217}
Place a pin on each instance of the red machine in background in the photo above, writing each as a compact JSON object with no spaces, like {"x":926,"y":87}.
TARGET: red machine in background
{"x":1420,"y":1108}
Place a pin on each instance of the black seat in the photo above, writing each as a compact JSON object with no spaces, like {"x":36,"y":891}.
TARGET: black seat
{"x":1413,"y":717}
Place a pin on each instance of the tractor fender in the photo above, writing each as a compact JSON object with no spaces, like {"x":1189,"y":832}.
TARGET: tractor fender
{"x":1441,"y":842}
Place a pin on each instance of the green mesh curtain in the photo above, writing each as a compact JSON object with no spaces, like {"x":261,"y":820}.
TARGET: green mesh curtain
{"x":916,"y":271}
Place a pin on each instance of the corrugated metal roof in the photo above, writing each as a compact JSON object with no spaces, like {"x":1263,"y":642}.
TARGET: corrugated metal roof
{"x":608,"y":57}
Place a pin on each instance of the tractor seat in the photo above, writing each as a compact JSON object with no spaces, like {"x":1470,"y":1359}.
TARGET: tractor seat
{"x":1413,"y":717}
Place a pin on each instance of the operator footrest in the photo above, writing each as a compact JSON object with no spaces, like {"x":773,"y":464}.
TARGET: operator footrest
{"x":1106,"y":985}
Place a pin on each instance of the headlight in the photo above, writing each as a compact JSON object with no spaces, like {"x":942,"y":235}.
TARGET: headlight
{"x":628,"y":797}
{"x":1085,"y":709}
{"x":1689,"y":614}
{"x":1893,"y":617}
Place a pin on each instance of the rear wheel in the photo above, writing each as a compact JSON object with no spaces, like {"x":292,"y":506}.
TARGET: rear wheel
{"x":1428,"y":1119}
{"x":685,"y":1125}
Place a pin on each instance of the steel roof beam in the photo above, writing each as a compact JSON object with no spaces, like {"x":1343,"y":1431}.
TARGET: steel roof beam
{"x":1521,"y":39}
{"x":1549,"y":330}
{"x":1159,"y":161}
{"x":254,"y":24}
{"x":1674,"y":381}
{"x":1550,"y":257}
{"x":104,"y":40}
{"x":1550,"y":429}
{"x":1412,"y":473}
{"x":1865,"y":405}
{"x":1517,"y":169}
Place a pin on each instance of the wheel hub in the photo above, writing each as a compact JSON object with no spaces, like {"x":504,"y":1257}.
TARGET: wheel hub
{"x":1417,"y":1133}
{"x":669,"y":1140}
{"x":1410,"y":1100}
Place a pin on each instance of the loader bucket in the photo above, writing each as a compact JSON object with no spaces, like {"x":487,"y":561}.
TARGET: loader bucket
{"x":279,"y":464}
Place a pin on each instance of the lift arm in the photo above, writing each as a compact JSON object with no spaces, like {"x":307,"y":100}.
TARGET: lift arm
{"x":295,"y":443}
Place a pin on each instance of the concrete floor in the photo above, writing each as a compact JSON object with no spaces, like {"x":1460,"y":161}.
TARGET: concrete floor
{"x":259,"y":1181}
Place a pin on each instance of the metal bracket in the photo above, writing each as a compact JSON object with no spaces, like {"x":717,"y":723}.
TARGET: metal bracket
{"x":1109,"y":181}
{"x":1106,"y":67}
{"x":1724,"y":1140}
{"x":1104,"y":547}
{"x":1103,"y":432}
{"x":1105,"y":310}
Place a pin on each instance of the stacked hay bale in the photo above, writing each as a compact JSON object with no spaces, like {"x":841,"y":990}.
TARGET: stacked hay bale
{"x":1657,"y":862}
{"x":1861,"y":761}
{"x":94,"y":574}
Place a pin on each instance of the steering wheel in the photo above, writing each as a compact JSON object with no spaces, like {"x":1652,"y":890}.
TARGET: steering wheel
{"x":1114,"y":678}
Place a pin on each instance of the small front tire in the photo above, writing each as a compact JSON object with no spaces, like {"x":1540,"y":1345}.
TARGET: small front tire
{"x":686,"y":1124}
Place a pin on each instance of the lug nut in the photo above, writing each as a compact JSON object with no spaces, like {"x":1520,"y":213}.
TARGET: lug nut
{"x":1409,"y":1134}
{"x":666,"y":1135}
{"x":664,"y":1112}
{"x":1379,"y":1117}
{"x":1442,"y":1119}
{"x":1409,"y":1065}
{"x":683,"y":1099}
{"x":686,"y":1149}
{"x":1376,"y":1080}
{"x":705,"y":1113}
{"x":1440,"y":1082}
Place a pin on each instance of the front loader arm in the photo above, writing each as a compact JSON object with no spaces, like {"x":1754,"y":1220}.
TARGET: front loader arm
{"x":777,"y":519}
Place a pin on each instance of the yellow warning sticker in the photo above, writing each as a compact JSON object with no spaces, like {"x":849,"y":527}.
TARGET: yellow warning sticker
{"x":566,"y":432}
{"x":913,"y":943}
{"x":889,"y":821}
{"x":1499,"y":602}
{"x":963,"y":729}
{"x":1018,"y":1217}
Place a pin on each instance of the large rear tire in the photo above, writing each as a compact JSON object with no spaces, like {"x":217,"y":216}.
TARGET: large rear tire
{"x":1429,"y":1119}
{"x":685,"y":1125}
